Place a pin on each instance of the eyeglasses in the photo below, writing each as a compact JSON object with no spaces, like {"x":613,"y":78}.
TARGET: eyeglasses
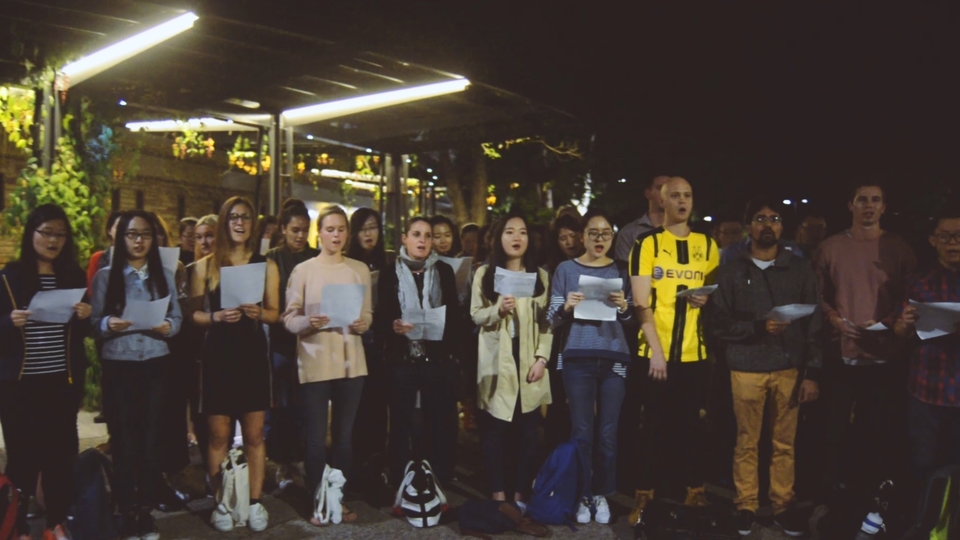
{"x":603,"y":236}
{"x":761,"y":219}
{"x":946,"y":238}
{"x":187,"y":236}
{"x":375,"y":228}
{"x":138,"y":235}
{"x":48,"y":235}
{"x":239,"y":217}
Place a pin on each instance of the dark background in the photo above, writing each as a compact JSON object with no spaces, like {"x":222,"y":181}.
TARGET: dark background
{"x":792,"y":99}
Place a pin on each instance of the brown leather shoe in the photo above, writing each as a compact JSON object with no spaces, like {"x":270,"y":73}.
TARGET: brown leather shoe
{"x":643,"y":496}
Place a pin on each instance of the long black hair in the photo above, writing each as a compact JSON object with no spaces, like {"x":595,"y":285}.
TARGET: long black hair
{"x":455,"y":247}
{"x":377,"y":257}
{"x":66,"y":261}
{"x":156,"y":282}
{"x":291,"y":208}
{"x":498,"y":258}
{"x":553,"y":255}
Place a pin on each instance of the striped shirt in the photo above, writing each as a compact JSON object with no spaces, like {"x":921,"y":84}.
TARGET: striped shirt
{"x":46,"y":350}
{"x":587,"y":338}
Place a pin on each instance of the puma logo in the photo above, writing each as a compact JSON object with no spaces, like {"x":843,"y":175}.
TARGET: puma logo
{"x":667,"y":252}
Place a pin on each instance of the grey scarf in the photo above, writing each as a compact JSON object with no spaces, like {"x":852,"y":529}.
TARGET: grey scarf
{"x":408,"y":291}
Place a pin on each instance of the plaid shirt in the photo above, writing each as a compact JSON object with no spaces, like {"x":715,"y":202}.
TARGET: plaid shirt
{"x":935,"y":364}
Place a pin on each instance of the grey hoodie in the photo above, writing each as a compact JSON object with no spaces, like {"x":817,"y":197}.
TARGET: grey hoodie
{"x":746,"y":294}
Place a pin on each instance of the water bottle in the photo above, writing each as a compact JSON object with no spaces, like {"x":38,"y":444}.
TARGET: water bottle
{"x":871,"y":526}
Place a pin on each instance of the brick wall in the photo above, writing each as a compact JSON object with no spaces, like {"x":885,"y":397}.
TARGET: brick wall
{"x":161,"y":179}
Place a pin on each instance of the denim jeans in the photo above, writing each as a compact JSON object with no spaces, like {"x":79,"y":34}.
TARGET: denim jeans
{"x":934,"y":433}
{"x":316,"y":397}
{"x":134,"y":410}
{"x":436,"y":381}
{"x":592,"y":385}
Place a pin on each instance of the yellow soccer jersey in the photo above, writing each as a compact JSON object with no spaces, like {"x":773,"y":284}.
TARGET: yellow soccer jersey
{"x":675,"y":265}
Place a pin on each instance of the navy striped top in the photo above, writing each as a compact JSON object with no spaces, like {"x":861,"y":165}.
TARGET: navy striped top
{"x":46,"y":350}
{"x":589,"y":339}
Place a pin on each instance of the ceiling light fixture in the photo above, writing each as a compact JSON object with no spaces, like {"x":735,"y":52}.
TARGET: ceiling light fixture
{"x":104,"y":59}
{"x":195,"y":124}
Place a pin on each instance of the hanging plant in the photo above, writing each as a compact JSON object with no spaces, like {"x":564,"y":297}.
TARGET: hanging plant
{"x":192,"y":144}
{"x":243,"y":157}
{"x":16,"y":116}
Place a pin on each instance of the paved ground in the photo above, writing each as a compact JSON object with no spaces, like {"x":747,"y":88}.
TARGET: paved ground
{"x":288,"y":507}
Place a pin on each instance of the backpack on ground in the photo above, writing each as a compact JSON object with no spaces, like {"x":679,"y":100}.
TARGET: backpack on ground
{"x":234,"y":492}
{"x":664,"y":520}
{"x":558,"y":486}
{"x":9,"y":508}
{"x":939,"y":513}
{"x":93,"y":509}
{"x":482,"y":517}
{"x":328,"y":499}
{"x":420,"y":498}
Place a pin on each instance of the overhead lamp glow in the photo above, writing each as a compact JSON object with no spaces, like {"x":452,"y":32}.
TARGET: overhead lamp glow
{"x":804,"y":201}
{"x":623,"y":180}
{"x":429,"y":170}
{"x":194,"y":124}
{"x":104,"y":59}
{"x":369,"y":151}
{"x":435,"y":177}
{"x":309,"y":137}
{"x":122,"y":103}
{"x":708,"y":218}
{"x":343,"y":107}
{"x":787,"y":202}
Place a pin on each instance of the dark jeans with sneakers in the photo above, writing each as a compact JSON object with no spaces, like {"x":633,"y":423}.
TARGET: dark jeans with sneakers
{"x":673,"y":436}
{"x":436,"y":382}
{"x":39,"y":419}
{"x":596,"y":393}
{"x":316,"y":397}
{"x":134,"y":412}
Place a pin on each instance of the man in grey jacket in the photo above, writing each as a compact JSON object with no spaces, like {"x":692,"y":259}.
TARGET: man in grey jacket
{"x":772,"y":362}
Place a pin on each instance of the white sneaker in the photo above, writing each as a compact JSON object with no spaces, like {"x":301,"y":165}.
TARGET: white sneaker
{"x":221,"y":519}
{"x":583,"y":512}
{"x":603,"y":509}
{"x":258,"y":518}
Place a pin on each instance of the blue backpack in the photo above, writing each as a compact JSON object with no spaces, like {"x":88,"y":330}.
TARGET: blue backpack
{"x":556,"y":491}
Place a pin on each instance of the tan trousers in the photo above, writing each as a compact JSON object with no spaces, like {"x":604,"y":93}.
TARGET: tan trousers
{"x":752,"y":392}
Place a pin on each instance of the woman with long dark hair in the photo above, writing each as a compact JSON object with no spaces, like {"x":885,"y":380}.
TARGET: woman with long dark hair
{"x":135,"y":365}
{"x":594,"y":362}
{"x":236,"y":366}
{"x":283,"y":441}
{"x":515,"y":342}
{"x":42,"y":368}
{"x":565,"y":242}
{"x":366,"y":239}
{"x":446,"y":241}
{"x":419,"y":281}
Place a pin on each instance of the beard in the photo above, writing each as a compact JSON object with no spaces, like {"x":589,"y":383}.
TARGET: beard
{"x":766,"y":240}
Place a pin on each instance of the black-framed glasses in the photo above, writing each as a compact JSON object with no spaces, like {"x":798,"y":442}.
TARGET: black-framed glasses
{"x":138,"y":235}
{"x":761,"y":219}
{"x":50,"y":235}
{"x":239,"y":217}
{"x":603,"y":236}
{"x":946,"y":238}
{"x":375,"y":228}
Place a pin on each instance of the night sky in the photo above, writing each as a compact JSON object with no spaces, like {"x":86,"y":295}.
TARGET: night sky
{"x":792,"y":100}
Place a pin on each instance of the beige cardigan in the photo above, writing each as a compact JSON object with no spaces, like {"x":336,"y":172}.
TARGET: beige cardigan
{"x":324,"y":355}
{"x":498,"y":383}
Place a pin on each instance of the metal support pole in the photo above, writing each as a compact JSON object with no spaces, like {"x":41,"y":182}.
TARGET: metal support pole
{"x":46,"y":156}
{"x":274,"y":182}
{"x":383,"y":184}
{"x":290,"y":161}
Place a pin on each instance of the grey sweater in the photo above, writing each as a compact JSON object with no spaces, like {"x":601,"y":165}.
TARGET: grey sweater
{"x":746,"y":294}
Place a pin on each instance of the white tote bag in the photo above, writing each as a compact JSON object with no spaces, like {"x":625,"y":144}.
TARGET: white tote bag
{"x":234,"y":492}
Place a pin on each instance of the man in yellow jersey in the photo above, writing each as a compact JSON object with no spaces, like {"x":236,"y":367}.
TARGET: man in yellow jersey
{"x":664,"y":263}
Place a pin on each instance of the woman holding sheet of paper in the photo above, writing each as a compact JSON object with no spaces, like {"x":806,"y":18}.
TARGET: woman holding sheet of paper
{"x":515,"y":341}
{"x":416,"y":323}
{"x":329,"y":309}
{"x":42,"y":365}
{"x":135,"y":313}
{"x":594,"y":358}
{"x":235,"y":364}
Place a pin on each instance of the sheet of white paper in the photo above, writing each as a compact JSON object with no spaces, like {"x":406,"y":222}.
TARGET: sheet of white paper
{"x":461,"y":268}
{"x":145,"y":314}
{"x":242,"y":285}
{"x":264,"y":246}
{"x":876,"y":327}
{"x":699,"y":291}
{"x":342,"y":303}
{"x":791,"y":312}
{"x":596,"y":306}
{"x":54,"y":306}
{"x":427,"y":324}
{"x":518,"y":284}
{"x":170,"y":257}
{"x":935,"y":319}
